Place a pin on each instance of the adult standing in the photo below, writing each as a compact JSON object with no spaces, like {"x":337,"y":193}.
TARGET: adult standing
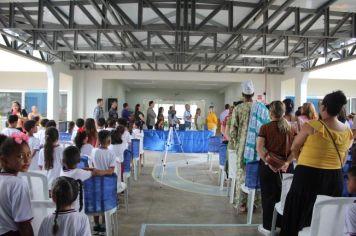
{"x":139,"y":116}
{"x":173,"y":121}
{"x":34,"y":113}
{"x":99,"y":111}
{"x":187,"y":117}
{"x":246,"y":120}
{"x":125,"y":113}
{"x":223,"y":115}
{"x":321,"y":148}
{"x":113,"y":111}
{"x":289,"y":116}
{"x":198,"y":120}
{"x":212,"y":120}
{"x":275,"y":137}
{"x":160,"y":119}
{"x":151,"y":115}
{"x":20,"y":113}
{"x":308,"y":113}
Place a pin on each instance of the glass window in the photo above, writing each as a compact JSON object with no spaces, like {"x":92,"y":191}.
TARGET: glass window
{"x":6,"y":98}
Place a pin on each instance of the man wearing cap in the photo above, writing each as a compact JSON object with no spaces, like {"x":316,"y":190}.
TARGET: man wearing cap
{"x":246,"y":120}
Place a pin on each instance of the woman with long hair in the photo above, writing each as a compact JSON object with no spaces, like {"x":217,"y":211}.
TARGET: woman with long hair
{"x":275,"y":137}
{"x":308,"y":113}
{"x":198,"y":120}
{"x":91,"y":131}
{"x":160,"y":119}
{"x":139,"y":116}
{"x":19,"y":112}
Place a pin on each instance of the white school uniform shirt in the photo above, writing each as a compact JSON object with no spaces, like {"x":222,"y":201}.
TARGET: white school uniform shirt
{"x":34,"y":144}
{"x":41,"y":135}
{"x":9,"y":131}
{"x":110,"y":129}
{"x":118,"y":150}
{"x":103,"y":159}
{"x":138,"y":134}
{"x":86,"y":149}
{"x":74,"y":134}
{"x":15,"y":204}
{"x":70,"y":223}
{"x":77,"y":174}
{"x":126,"y":137}
{"x":350,"y":220}
{"x":53,"y":173}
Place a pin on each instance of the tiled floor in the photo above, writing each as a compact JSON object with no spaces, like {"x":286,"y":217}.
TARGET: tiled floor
{"x":152,"y":206}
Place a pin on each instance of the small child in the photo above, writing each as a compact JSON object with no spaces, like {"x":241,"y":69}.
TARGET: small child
{"x":111,"y":125}
{"x":100,"y":125}
{"x":81,"y":142}
{"x":65,"y":220}
{"x":71,"y":158}
{"x":50,"y":157}
{"x":71,"y":126}
{"x":118,"y":147}
{"x":51,"y":123}
{"x":15,"y":205}
{"x":33,"y":143}
{"x":105,"y":160}
{"x":12,"y":124}
{"x":350,"y":217}
{"x":79,"y":123}
{"x":41,"y":132}
{"x":137,"y":133}
{"x":126,"y":137}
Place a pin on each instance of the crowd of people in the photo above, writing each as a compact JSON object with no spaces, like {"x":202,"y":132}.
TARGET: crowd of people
{"x":272,"y":134}
{"x":318,"y":143}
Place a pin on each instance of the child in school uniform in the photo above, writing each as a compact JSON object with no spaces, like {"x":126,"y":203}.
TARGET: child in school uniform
{"x":81,"y":142}
{"x":79,"y":123}
{"x":118,"y":147}
{"x":350,"y":217}
{"x":33,"y":142}
{"x":12,"y":124}
{"x":111,"y":125}
{"x":15,"y":204}
{"x":126,"y":137}
{"x":50,"y":157}
{"x":41,"y":132}
{"x":66,"y":220}
{"x":100,"y":124}
{"x":137,"y":133}
{"x":105,"y":160}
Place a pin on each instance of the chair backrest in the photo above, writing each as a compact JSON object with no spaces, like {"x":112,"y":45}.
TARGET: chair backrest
{"x":286,"y":183}
{"x":135,"y":148}
{"x":329,"y":215}
{"x":214,"y":144}
{"x":222,"y":154}
{"x":84,"y":162}
{"x":63,"y":136}
{"x":37,"y":183}
{"x":127,"y":160}
{"x":100,"y":194}
{"x":252,"y":179}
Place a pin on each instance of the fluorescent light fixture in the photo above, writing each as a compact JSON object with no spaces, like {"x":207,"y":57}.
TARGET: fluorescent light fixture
{"x":264,"y":56}
{"x":246,"y":67}
{"x":113,"y":63}
{"x":96,"y":52}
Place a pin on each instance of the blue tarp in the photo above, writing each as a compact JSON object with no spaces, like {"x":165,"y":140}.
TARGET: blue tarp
{"x":192,"y":141}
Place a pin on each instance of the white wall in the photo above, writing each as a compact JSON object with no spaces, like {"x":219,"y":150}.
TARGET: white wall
{"x":233,"y":93}
{"x":210,"y":97}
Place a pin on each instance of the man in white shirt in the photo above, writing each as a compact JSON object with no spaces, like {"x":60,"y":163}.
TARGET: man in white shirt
{"x":12,"y":123}
{"x":187,"y":117}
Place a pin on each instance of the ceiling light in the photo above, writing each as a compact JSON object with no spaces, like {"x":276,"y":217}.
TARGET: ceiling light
{"x":246,"y":67}
{"x":264,"y":56}
{"x":113,"y":63}
{"x":96,"y":52}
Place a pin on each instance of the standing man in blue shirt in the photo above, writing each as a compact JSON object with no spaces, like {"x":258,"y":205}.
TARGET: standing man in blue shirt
{"x":125,"y":112}
{"x":99,"y":111}
{"x":187,"y":117}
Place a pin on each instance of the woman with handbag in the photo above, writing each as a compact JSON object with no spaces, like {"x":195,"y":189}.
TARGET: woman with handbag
{"x":320,"y":148}
{"x":273,"y":146}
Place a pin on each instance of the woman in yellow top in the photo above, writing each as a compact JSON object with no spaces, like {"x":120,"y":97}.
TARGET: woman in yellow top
{"x":212,"y":120}
{"x":319,"y":163}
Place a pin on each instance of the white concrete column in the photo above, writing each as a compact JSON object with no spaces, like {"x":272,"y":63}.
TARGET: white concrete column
{"x":52,"y":93}
{"x":301,"y":88}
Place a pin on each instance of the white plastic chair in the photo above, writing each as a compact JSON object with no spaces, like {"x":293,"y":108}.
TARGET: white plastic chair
{"x":328,"y":216}
{"x":121,"y":186}
{"x":279,"y":207}
{"x":232,"y":173}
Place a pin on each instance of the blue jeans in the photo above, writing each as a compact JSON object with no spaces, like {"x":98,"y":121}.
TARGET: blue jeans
{"x":188,"y":125}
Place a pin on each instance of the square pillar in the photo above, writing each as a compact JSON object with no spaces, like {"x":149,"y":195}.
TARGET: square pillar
{"x":301,"y":88}
{"x":52,"y":93}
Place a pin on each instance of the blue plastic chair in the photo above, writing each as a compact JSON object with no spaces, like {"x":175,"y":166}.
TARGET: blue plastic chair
{"x":84,"y":162}
{"x":252,"y":183}
{"x":100,"y":197}
{"x":222,"y":160}
{"x":128,"y":157}
{"x":213,"y":148}
{"x":135,"y":149}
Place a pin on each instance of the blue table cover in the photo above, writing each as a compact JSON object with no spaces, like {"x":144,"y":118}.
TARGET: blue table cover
{"x":192,"y":141}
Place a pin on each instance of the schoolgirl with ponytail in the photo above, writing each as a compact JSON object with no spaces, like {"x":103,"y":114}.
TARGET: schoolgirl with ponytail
{"x":81,"y":142}
{"x":66,"y":220}
{"x":50,"y":157}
